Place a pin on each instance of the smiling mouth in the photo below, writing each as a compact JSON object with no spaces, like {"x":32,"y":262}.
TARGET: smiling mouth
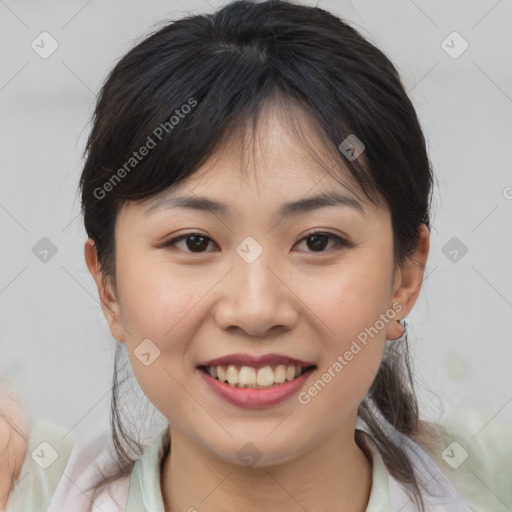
{"x":248,"y":377}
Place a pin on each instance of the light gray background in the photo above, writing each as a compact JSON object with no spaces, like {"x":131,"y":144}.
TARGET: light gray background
{"x":54,"y":342}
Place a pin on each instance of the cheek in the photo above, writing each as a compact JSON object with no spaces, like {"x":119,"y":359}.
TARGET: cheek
{"x":157,"y":305}
{"x":350,"y":302}
{"x":158,"y":309}
{"x":349,"y":299}
{"x":353,"y":338}
{"x":155,"y":299}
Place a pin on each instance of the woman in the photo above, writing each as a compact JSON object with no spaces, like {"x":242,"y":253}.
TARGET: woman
{"x":257,"y":195}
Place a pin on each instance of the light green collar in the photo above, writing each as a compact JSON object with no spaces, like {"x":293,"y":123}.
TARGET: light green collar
{"x":145,"y":491}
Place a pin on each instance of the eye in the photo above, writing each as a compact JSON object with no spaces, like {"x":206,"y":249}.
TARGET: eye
{"x":197,"y":243}
{"x":318,"y":239}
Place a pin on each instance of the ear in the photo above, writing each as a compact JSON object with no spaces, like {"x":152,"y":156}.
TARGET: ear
{"x":106,"y":291}
{"x":408,"y":281}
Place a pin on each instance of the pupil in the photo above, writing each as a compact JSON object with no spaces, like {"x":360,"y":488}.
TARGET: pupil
{"x":195,"y":245}
{"x":316,"y":237}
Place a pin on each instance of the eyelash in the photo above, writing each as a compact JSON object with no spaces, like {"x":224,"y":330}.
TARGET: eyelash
{"x":340,"y":242}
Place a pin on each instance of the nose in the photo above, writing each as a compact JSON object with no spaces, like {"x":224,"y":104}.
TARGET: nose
{"x":256,"y":300}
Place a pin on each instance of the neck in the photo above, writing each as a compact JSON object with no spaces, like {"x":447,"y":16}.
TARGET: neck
{"x":335,"y":475}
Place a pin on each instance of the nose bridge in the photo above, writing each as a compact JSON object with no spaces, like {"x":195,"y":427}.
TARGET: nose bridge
{"x":255,"y":300}
{"x":252,"y":262}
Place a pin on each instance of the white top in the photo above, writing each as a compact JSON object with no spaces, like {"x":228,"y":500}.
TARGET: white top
{"x":472,"y":474}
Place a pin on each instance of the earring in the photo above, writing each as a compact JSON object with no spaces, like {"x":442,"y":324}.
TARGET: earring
{"x":402,"y":337}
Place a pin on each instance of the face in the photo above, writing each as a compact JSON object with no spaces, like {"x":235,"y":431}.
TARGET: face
{"x":252,"y":280}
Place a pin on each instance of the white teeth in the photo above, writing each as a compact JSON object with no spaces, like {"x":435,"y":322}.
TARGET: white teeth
{"x":280,"y":373}
{"x":221,"y":373}
{"x":232,"y":375}
{"x":248,"y":377}
{"x":265,"y":376}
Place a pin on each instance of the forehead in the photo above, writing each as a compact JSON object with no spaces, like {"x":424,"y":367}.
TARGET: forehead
{"x":286,"y":154}
{"x":286,"y":145}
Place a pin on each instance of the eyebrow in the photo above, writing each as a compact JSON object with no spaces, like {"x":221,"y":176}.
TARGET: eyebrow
{"x":301,"y":206}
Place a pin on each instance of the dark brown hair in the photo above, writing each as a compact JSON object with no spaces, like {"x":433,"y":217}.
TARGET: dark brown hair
{"x":194,"y":83}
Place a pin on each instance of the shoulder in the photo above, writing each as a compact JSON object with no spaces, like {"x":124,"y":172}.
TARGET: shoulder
{"x":474,"y":451}
{"x":46,"y":453}
{"x":58,"y":467}
{"x":91,"y":458}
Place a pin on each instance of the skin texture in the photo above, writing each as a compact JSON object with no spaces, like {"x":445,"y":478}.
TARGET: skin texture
{"x":294,"y":299}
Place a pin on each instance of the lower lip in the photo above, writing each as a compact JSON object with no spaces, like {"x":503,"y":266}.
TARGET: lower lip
{"x":255,"y":398}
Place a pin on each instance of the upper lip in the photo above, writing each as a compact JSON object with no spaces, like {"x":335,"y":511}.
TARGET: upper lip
{"x":255,"y":362}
